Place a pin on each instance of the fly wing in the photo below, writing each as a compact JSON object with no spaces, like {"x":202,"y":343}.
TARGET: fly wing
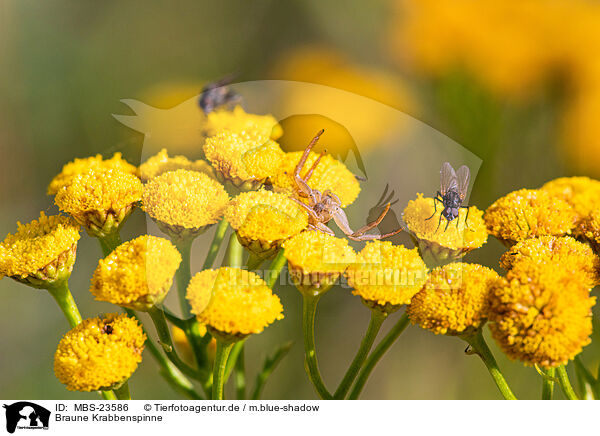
{"x":463,"y":175}
{"x":448,"y":179}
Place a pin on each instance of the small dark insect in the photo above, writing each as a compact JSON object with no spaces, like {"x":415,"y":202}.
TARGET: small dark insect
{"x":324,"y":206}
{"x":452,"y":193}
{"x":217,"y":94}
{"x":108,"y":329}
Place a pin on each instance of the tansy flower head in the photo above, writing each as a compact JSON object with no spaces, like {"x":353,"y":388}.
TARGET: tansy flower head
{"x":137,"y":274}
{"x":243,"y":160}
{"x":264,"y":219}
{"x":100,"y":353}
{"x":529,"y":213}
{"x":386,"y":276}
{"x":540,"y":315}
{"x":329,"y":174}
{"x":233,"y":303}
{"x":100,"y":200}
{"x":454,"y":300}
{"x":437,"y":241}
{"x":161,"y":163}
{"x":41,"y":253}
{"x":582,"y":193}
{"x":316,"y":260}
{"x":589,"y":230}
{"x":239,"y":121}
{"x":184,"y":202}
{"x":575,"y":257}
{"x":80,"y":166}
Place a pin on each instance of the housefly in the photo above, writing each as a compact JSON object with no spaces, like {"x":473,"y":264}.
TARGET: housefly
{"x":452,"y":193}
{"x":217,"y":94}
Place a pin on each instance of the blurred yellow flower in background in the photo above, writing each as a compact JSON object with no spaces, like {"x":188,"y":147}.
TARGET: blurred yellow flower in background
{"x":327,"y":107}
{"x":582,"y":193}
{"x":100,"y":353}
{"x":454,"y":299}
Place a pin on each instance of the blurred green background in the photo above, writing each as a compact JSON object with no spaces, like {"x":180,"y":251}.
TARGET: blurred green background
{"x":64,"y":67}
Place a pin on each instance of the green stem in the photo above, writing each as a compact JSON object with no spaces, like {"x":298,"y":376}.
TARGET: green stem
{"x":377,"y":354}
{"x":240,"y":376}
{"x":477,"y":342}
{"x":377,"y":318}
{"x":565,"y":384}
{"x":108,"y":395}
{"x":122,"y":393}
{"x":548,"y":384}
{"x":169,"y":371}
{"x":164,"y":337}
{"x":275,"y":268}
{"x":213,"y":250}
{"x":184,"y":274}
{"x":309,"y":308}
{"x":110,"y":242}
{"x":234,"y":252}
{"x":223,"y":350}
{"x":63,"y":297}
{"x":233,"y":356}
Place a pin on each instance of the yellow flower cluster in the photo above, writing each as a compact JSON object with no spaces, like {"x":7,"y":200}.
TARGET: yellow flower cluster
{"x":387,"y":275}
{"x":454,"y":299}
{"x":238,"y":121}
{"x":40,"y":249}
{"x":514,"y":48}
{"x":161,"y":163}
{"x":184,"y":200}
{"x":232,"y":302}
{"x":137,"y":274}
{"x":528,"y":213}
{"x":80,"y":166}
{"x":582,"y":193}
{"x":263,"y":219}
{"x":432,"y":235}
{"x":574,"y":257}
{"x":541,"y":314}
{"x":245,"y":159}
{"x":100,"y":200}
{"x":316,"y":260}
{"x":330,"y":174}
{"x":590,"y":230}
{"x":100,"y":353}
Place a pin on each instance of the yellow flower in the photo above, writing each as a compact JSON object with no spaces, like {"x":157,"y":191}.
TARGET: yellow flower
{"x":572,"y":256}
{"x":243,"y":160}
{"x":454,"y":299}
{"x":100,"y":353}
{"x":184,"y":203}
{"x":100,"y":200}
{"x":330,"y":174}
{"x":238,"y":121}
{"x":589,"y":229}
{"x":540,"y":315}
{"x":316,"y":260}
{"x":42,"y":252}
{"x":137,"y":274}
{"x":528,"y":213}
{"x":387,"y":275}
{"x":432,"y":236}
{"x":161,"y":163}
{"x":264,"y":219}
{"x":233,"y":303}
{"x":582,"y":193}
{"x":80,"y":166}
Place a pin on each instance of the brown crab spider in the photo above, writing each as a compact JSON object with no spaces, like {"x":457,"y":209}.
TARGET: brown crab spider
{"x":324,"y":206}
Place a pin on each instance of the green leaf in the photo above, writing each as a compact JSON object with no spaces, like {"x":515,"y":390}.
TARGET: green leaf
{"x":589,"y":388}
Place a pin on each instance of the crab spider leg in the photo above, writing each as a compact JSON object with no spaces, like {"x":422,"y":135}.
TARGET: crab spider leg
{"x":341,"y":220}
{"x":374,"y":223}
{"x":302,"y":160}
{"x":333,"y":195}
{"x":310,"y":211}
{"x":314,"y":165}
